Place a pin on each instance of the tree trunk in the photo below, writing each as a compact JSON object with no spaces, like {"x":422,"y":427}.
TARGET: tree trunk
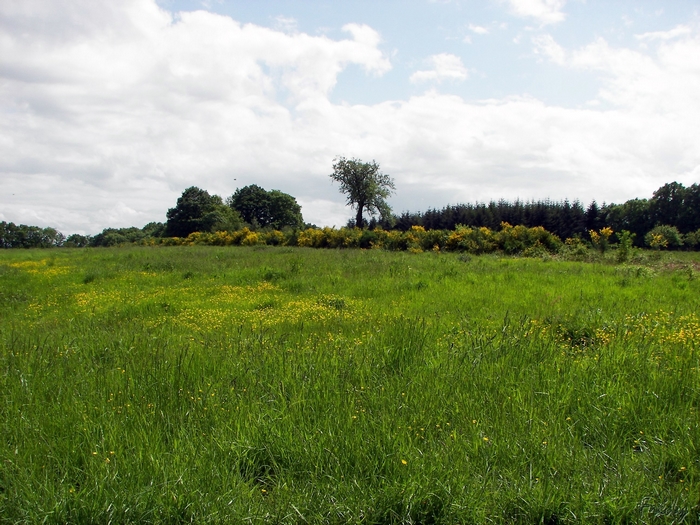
{"x":358,"y":219}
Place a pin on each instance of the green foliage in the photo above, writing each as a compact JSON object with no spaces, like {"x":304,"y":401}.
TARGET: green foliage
{"x":624,"y":249}
{"x":601,"y":239}
{"x":663,"y":236}
{"x":672,"y":204}
{"x":77,"y":241}
{"x":197,"y":211}
{"x":23,"y":236}
{"x":692,"y":240}
{"x":510,"y":240}
{"x":154,"y":229}
{"x":575,"y":249}
{"x":117,"y":236}
{"x":365,"y":187}
{"x":268,"y":209}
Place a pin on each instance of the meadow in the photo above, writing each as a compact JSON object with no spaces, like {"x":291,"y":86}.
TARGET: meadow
{"x":283,"y":385}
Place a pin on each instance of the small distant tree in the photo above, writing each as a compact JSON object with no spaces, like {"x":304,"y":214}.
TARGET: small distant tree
{"x":624,"y":250}
{"x":365,"y":186}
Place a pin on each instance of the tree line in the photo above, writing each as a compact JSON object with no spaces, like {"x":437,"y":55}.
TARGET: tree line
{"x":669,"y":219}
{"x":196,"y":210}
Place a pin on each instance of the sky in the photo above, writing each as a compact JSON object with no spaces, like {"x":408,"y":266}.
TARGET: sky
{"x":110,"y":110}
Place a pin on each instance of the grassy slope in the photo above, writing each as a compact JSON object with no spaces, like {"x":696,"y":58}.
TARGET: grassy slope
{"x":291,"y":385}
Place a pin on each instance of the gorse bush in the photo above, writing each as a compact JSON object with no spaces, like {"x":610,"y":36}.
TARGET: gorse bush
{"x":664,"y":236}
{"x":510,"y":239}
{"x":601,"y":239}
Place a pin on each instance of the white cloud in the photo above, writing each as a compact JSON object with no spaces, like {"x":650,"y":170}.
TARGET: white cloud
{"x":445,"y":66}
{"x":666,"y":82}
{"x":544,"y":11}
{"x":479,"y":30}
{"x":680,"y":30}
{"x":286,"y":24}
{"x":545,"y":45}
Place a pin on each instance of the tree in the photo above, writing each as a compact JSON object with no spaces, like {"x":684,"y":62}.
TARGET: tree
{"x":197,"y":211}
{"x":284,"y":210}
{"x":364,"y":185}
{"x":77,"y":240}
{"x":259,"y":207}
{"x":666,"y":206}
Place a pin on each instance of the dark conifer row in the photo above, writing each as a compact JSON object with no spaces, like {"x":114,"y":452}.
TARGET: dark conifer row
{"x":672,"y":205}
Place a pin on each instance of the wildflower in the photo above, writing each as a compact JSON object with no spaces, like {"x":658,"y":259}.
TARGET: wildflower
{"x":404,"y":462}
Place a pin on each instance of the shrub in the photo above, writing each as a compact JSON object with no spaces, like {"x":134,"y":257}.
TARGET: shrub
{"x":692,"y":240}
{"x":625,"y":249}
{"x":395,"y":240}
{"x":368,"y":239}
{"x":575,"y":248}
{"x":274,"y":238}
{"x":251,"y":239}
{"x":664,"y":236}
{"x":312,"y":238}
{"x":601,"y":239}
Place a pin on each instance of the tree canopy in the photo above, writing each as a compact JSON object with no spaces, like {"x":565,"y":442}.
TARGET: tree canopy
{"x":365,"y":187}
{"x":197,"y":211}
{"x":259,"y":207}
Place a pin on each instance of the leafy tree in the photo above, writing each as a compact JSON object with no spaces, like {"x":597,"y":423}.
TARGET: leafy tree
{"x":666,"y":205}
{"x":261,"y":208}
{"x":117,"y":236}
{"x":77,"y":241}
{"x":364,"y":185}
{"x":690,"y":214}
{"x":284,"y":210}
{"x":633,"y":216}
{"x":197,"y":211}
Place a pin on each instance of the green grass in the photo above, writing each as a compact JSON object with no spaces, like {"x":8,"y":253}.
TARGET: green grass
{"x":286,"y":385}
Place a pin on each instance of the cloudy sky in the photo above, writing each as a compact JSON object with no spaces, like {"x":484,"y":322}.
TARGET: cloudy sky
{"x":110,"y":109}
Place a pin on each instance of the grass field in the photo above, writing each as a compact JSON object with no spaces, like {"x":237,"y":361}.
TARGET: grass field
{"x":290,"y":385}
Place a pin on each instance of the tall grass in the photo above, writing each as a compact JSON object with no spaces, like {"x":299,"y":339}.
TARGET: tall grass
{"x":280,"y":385}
